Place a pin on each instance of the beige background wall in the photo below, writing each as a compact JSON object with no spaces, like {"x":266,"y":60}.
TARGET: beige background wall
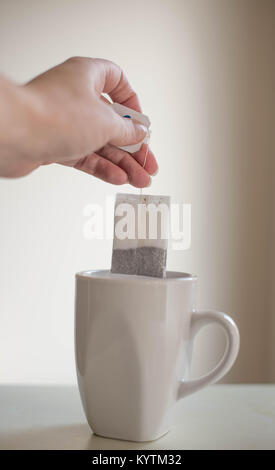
{"x":204,"y":70}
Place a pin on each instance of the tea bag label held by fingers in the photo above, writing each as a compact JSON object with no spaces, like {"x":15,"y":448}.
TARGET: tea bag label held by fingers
{"x":129,"y":113}
{"x":141,"y":227}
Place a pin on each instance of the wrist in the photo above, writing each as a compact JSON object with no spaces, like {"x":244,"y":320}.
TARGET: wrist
{"x":21,"y":125}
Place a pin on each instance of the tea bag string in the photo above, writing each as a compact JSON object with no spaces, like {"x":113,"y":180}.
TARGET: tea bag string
{"x":143,"y":199}
{"x":145,"y":157}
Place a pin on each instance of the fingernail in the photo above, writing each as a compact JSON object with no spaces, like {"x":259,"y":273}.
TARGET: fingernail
{"x":126,"y":179}
{"x":149,"y":183}
{"x":141,"y":132}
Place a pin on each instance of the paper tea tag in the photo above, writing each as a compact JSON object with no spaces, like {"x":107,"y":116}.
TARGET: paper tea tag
{"x":141,"y":230}
{"x":129,"y":113}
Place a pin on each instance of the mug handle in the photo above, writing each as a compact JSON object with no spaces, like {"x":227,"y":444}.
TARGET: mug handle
{"x":198,"y":321}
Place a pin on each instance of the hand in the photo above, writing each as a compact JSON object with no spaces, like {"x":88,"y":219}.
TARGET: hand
{"x":72,"y":124}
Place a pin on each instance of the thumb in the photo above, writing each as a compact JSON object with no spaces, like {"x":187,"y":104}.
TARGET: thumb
{"x":126,"y":131}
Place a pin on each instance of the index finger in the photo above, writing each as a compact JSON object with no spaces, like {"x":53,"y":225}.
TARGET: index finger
{"x":117,"y":86}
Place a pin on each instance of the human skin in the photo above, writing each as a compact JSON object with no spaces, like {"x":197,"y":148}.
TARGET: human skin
{"x":61,"y":117}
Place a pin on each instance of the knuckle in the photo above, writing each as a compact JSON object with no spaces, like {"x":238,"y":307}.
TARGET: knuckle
{"x":78,"y":60}
{"x":74,"y":59}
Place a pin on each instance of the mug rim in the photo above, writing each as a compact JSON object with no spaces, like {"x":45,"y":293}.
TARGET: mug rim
{"x":173,"y":276}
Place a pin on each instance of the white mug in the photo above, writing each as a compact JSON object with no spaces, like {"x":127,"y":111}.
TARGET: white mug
{"x":133,"y":342}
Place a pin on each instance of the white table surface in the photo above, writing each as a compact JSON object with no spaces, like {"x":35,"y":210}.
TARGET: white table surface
{"x":218,"y":417}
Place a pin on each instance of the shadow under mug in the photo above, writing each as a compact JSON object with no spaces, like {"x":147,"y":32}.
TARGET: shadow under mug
{"x":133,"y":344}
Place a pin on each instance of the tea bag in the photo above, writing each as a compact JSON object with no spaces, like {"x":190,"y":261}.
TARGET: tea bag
{"x":141,"y":226}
